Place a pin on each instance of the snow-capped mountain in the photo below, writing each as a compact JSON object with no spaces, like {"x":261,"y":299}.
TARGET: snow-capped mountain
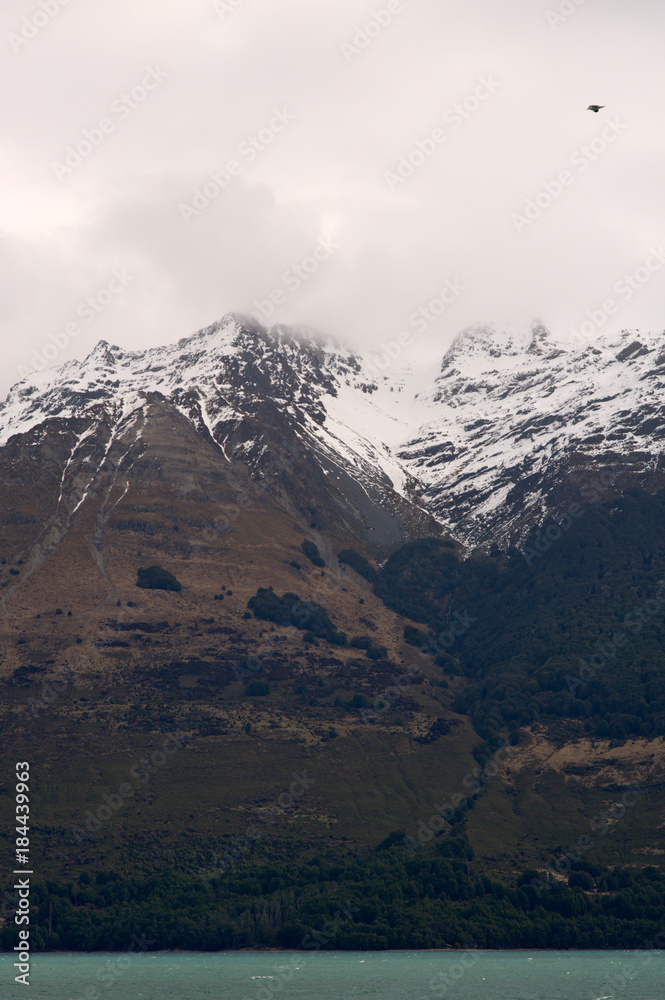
{"x":520,"y":430}
{"x":507,"y":431}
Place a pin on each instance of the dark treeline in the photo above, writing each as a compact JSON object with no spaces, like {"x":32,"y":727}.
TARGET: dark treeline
{"x":429,"y":897}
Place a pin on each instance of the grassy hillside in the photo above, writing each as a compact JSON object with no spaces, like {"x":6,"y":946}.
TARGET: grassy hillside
{"x":242,"y":747}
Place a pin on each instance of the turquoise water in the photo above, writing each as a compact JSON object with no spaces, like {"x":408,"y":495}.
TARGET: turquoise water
{"x":523,"y":975}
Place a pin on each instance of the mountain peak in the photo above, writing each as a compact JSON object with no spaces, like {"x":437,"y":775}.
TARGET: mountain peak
{"x":541,"y":339}
{"x":507,"y":416}
{"x":480,"y":343}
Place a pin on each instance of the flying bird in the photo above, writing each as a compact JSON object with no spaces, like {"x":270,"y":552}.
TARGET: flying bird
{"x":595,"y":107}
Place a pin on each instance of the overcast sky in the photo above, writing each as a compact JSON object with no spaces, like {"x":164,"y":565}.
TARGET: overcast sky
{"x":312,"y":113}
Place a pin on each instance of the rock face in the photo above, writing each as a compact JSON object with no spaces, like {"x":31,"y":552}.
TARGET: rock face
{"x":520,"y":430}
{"x":507,"y":432}
{"x":216,"y":460}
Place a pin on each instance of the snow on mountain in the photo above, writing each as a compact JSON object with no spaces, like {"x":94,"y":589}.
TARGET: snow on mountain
{"x":504,"y":434}
{"x":514,"y":420}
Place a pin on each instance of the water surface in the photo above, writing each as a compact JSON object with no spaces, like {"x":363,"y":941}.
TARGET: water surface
{"x":521,"y":975}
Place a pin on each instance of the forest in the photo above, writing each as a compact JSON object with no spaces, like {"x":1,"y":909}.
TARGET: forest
{"x":394,"y":896}
{"x":569,"y":626}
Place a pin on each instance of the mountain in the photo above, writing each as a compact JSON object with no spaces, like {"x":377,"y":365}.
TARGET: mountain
{"x":521,"y":430}
{"x":255,"y":582}
{"x":509,"y":431}
{"x":292,"y":414}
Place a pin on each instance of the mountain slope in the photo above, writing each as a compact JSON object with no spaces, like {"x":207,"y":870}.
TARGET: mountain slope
{"x":242,"y":462}
{"x":522,"y":430}
{"x":509,"y":431}
{"x":260,"y":397}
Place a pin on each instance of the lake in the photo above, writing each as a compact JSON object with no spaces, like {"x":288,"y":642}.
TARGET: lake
{"x":473,"y":975}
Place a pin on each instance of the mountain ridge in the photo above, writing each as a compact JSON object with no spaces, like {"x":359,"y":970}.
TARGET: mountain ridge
{"x":496,"y":439}
{"x":259,"y":475}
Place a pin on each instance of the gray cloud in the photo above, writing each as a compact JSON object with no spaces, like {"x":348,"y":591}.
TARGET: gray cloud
{"x":360,"y":106}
